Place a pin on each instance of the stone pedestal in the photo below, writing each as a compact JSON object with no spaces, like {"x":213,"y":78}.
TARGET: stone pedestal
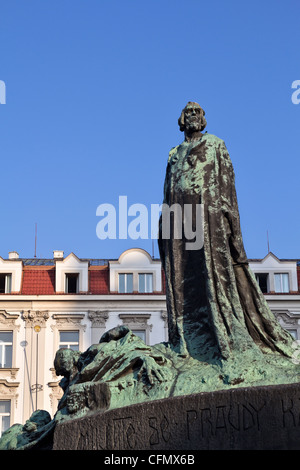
{"x":254,"y":418}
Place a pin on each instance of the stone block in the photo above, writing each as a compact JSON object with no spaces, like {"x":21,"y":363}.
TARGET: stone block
{"x":254,"y":418}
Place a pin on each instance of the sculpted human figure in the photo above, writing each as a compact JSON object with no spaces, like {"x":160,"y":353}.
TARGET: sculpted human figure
{"x":215,"y":307}
{"x":221,"y":331}
{"x":65,"y":364}
{"x":27,"y":436}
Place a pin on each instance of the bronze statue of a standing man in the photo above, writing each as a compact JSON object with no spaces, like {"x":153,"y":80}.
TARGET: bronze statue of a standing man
{"x":215,"y":306}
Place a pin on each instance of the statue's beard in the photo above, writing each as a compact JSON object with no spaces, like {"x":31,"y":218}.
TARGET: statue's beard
{"x":193,"y":126}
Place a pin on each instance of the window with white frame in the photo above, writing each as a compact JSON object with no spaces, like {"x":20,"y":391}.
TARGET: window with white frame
{"x":125,"y":283}
{"x":6,"y":343}
{"x":145,"y":282}
{"x":5,"y":283}
{"x":4,"y":415}
{"x":281,"y":281}
{"x":69,"y":340}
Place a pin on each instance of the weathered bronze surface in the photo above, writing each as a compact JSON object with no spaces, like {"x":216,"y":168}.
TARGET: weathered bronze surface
{"x":215,"y":306}
{"x":222,"y":334}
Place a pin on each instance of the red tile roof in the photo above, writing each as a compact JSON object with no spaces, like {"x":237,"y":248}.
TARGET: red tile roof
{"x":38,"y":282}
{"x":99,"y":281}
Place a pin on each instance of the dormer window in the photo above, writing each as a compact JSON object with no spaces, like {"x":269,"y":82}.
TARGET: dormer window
{"x":72,"y":283}
{"x":125,"y":283}
{"x":275,"y":275}
{"x":5,"y":283}
{"x":135,"y":271}
{"x":71,"y":274}
{"x":146,"y":283}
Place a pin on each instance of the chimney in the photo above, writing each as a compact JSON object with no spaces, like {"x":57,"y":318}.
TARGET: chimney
{"x":57,"y":254}
{"x":13,"y":255}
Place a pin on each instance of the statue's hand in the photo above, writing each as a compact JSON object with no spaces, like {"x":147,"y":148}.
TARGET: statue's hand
{"x":151,"y":372}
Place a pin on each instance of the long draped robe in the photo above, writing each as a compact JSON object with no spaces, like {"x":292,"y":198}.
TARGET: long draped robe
{"x":215,"y":306}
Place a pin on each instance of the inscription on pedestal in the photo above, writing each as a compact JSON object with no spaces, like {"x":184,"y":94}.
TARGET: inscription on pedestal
{"x":161,"y":430}
{"x":211,"y":421}
{"x":257,"y":418}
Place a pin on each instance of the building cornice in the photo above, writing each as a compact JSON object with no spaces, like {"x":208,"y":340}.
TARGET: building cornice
{"x":285,"y":297}
{"x":82,"y":297}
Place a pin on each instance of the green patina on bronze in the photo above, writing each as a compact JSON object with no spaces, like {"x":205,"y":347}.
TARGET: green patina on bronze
{"x":35,"y":430}
{"x":222,"y":333}
{"x":215,"y":307}
{"x":121,"y":370}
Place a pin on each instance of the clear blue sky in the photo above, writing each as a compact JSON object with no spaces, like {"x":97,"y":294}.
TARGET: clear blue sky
{"x":93,"y":93}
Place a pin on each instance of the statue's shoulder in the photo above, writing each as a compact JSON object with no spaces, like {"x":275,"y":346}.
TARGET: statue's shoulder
{"x":213,"y":139}
{"x":173,"y":152}
{"x":215,"y":142}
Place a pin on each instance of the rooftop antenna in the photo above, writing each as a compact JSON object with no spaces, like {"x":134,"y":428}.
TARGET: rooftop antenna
{"x":35,"y":240}
{"x":268,"y":241}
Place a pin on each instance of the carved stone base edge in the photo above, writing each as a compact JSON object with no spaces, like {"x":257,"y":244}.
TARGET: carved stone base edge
{"x":254,"y":418}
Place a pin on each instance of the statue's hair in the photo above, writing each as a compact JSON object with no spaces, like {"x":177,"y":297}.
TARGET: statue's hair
{"x":74,"y":355}
{"x":181,"y":119}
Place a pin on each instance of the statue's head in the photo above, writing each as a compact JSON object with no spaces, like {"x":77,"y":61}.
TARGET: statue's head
{"x":65,"y":361}
{"x":38,"y":419}
{"x":192,"y":118}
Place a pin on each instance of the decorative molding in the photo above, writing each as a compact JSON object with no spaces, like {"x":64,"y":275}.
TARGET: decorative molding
{"x":54,"y":376}
{"x":65,"y":320}
{"x":35,"y":317}
{"x":8,"y":319}
{"x":98,"y":317}
{"x":5,"y":385}
{"x":10,"y":372}
{"x":164,"y":316}
{"x":137,"y":321}
{"x":286,"y":319}
{"x":55,"y":395}
{"x":54,"y":385}
{"x":9,"y":390}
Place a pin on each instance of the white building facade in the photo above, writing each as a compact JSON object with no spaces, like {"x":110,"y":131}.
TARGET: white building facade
{"x":279,"y":280}
{"x":69,"y":302}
